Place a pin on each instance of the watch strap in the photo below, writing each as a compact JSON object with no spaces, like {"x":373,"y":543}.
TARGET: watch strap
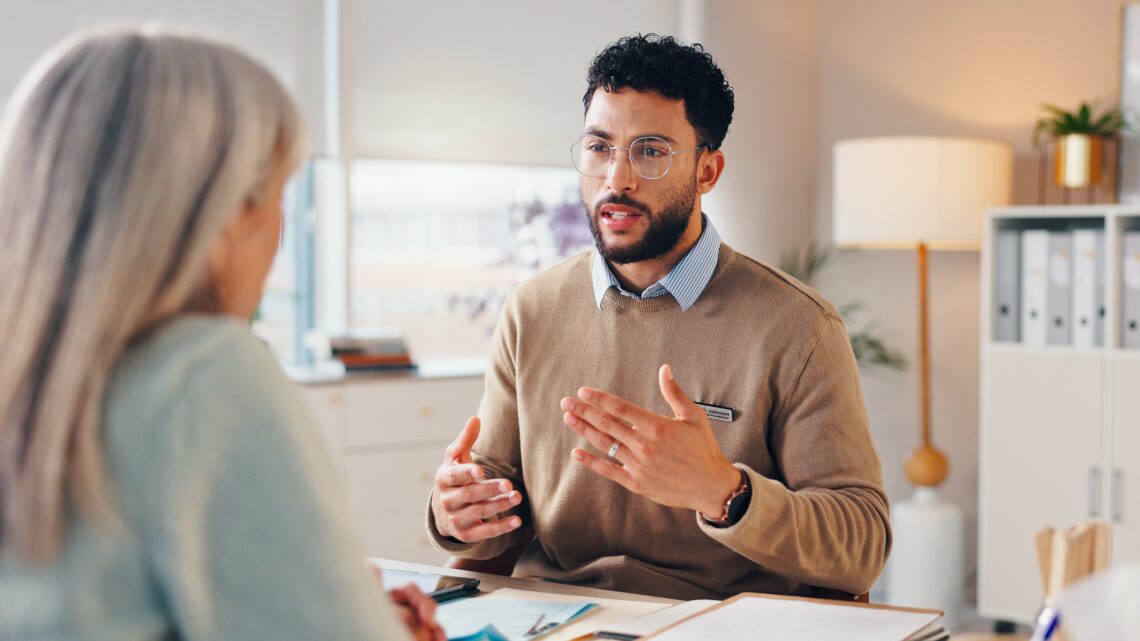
{"x":740,"y":495}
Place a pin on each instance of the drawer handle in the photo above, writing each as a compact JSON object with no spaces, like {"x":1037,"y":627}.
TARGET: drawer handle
{"x":1094,"y":491}
{"x":1117,"y":489}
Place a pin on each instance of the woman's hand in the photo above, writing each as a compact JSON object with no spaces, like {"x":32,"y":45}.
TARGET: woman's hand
{"x":417,"y":610}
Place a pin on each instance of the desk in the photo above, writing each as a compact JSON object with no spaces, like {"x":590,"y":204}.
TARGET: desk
{"x":611,"y":611}
{"x":616,"y":606}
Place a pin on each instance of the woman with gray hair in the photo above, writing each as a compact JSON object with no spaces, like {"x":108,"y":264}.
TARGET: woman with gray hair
{"x":158,"y":477}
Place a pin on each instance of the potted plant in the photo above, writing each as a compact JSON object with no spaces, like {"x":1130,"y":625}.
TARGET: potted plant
{"x":1079,"y":138}
{"x":870,"y":350}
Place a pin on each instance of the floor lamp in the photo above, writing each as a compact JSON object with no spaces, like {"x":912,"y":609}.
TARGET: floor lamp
{"x":921,"y":193}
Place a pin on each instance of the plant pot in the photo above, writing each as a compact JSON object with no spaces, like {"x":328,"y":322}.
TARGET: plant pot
{"x":1077,"y":160}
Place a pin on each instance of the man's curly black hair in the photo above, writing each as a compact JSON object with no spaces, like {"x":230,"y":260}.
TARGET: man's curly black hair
{"x":682,"y":72}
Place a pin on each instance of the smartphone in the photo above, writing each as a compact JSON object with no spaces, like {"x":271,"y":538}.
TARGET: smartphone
{"x":438,"y":586}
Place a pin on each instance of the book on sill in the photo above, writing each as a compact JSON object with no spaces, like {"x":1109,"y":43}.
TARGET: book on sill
{"x":376,"y":343}
{"x":361,"y":362}
{"x":792,"y":619}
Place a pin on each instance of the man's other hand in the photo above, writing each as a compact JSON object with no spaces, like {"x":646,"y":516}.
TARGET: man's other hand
{"x":465,"y":504}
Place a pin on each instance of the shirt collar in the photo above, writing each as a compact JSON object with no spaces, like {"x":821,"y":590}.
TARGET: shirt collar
{"x":686,"y":281}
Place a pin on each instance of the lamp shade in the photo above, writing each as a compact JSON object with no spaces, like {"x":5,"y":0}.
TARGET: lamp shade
{"x":896,"y":192}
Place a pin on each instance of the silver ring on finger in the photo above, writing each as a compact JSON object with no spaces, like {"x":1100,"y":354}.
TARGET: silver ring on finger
{"x":612,"y":452}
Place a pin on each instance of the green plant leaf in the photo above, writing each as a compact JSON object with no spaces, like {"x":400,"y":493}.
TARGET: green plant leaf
{"x":870,"y":350}
{"x":1060,"y":122}
{"x":805,"y":265}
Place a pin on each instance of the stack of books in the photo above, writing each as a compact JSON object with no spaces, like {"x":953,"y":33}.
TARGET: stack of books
{"x":371,"y":351}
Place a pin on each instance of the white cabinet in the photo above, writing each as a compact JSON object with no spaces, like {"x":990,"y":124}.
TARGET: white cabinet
{"x":1123,"y":495}
{"x":327,"y":405}
{"x":1060,"y":425}
{"x":389,"y":434}
{"x":1044,"y":421}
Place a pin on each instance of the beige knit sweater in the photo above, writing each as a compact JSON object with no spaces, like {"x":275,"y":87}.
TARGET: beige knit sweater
{"x":757,"y":342}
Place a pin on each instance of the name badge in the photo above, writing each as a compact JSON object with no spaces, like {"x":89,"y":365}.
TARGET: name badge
{"x":717,"y":413}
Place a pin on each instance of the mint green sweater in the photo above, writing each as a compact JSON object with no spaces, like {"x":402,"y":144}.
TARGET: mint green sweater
{"x":230,"y":523}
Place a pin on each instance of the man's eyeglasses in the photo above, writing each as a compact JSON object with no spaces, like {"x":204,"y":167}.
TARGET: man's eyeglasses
{"x":650,"y":156}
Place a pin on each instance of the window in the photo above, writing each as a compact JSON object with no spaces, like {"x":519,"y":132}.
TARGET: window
{"x":285,"y":314}
{"x":436,"y":246}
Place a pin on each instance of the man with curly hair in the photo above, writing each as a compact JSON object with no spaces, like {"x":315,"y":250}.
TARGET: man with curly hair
{"x":717,"y":439}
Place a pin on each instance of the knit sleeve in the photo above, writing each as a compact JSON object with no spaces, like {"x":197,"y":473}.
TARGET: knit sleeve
{"x":497,"y":450}
{"x":826,"y":524}
{"x":246,"y":527}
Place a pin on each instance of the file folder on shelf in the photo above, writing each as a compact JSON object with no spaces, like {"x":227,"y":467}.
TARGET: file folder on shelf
{"x":1034,"y":286}
{"x":1060,"y":288}
{"x":1007,"y":294}
{"x":1130,"y":292}
{"x":1088,"y":288}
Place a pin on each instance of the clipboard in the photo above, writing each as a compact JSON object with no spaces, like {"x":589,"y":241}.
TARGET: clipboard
{"x":911,"y":624}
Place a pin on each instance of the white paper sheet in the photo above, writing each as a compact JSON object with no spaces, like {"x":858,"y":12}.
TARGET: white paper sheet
{"x":513,"y":619}
{"x":662,"y":618}
{"x":608,"y":612}
{"x":760,"y":619}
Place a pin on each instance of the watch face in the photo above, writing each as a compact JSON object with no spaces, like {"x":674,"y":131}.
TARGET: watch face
{"x":739,"y":506}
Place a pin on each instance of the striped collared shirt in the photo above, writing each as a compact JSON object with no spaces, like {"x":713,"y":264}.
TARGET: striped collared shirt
{"x":685,"y":281}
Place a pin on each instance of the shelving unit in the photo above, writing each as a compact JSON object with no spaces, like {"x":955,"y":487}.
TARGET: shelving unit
{"x":1060,"y":425}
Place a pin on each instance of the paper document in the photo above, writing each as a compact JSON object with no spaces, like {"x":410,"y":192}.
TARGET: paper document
{"x":485,"y":618}
{"x":655,"y":621}
{"x":772,"y":619}
{"x":608,"y":613}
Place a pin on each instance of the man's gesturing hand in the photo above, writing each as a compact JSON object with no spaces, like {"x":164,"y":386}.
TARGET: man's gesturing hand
{"x":672,"y":461}
{"x":464,"y":503}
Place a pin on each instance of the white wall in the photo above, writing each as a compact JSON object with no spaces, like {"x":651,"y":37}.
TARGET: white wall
{"x":494,"y":81}
{"x":770,"y":53}
{"x":283,"y":34}
{"x":971,"y":68}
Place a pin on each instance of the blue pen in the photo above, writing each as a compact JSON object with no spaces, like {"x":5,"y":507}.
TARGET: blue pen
{"x":1047,"y":624}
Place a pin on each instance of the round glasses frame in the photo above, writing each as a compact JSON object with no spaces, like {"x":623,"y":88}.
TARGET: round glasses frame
{"x":650,"y":142}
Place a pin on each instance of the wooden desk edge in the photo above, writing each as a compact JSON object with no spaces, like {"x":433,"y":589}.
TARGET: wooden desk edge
{"x":496,"y":581}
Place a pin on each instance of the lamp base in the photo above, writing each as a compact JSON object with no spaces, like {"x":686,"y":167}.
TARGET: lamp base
{"x":925,"y":568}
{"x":927,"y":467}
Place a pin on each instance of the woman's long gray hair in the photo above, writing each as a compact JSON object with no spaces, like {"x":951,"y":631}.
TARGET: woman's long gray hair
{"x":123,"y":156}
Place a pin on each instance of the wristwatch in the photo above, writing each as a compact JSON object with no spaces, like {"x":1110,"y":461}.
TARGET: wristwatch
{"x":735,"y":505}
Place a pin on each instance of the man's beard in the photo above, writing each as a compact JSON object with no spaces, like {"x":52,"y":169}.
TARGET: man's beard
{"x":665,"y":227}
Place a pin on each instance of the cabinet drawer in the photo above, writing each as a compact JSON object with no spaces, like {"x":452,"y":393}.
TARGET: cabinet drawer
{"x":388,"y":412}
{"x":398,"y":537}
{"x":326,"y":403}
{"x":391,"y":482}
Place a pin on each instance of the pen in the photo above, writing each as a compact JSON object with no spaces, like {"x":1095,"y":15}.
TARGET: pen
{"x":1047,"y":624}
{"x":455,"y":591}
{"x":616,"y":635}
